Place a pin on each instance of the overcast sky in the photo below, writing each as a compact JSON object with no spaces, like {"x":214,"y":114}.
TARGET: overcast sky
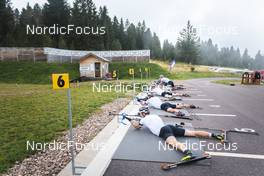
{"x":238,"y":23}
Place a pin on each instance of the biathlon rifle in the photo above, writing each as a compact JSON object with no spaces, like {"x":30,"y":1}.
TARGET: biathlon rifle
{"x":125,"y":116}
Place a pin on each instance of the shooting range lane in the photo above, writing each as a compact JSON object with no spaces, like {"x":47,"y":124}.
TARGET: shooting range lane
{"x":246,"y":103}
{"x":142,"y":145}
{"x":205,"y":112}
{"x":219,"y":166}
{"x":163,"y":113}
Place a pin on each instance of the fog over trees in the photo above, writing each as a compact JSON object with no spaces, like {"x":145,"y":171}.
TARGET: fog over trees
{"x":120,"y":34}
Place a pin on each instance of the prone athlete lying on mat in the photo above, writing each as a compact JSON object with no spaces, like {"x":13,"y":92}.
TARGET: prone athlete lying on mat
{"x":155,"y":102}
{"x":159,"y":91}
{"x":170,"y":132}
{"x":166,"y":81}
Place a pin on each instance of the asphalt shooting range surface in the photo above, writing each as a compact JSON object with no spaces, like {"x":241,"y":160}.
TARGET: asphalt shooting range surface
{"x":232,"y":107}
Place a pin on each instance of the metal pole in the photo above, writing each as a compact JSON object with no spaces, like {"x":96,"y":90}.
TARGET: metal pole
{"x":141,"y":74}
{"x":34,"y":56}
{"x":134,"y":84}
{"x":149,"y":73}
{"x":71,"y":57}
{"x":117,"y":96}
{"x":2,"y":57}
{"x":71,"y":133}
{"x":17,"y":55}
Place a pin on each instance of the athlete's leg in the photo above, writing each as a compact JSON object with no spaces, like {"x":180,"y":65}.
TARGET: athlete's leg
{"x":180,"y":105}
{"x":172,"y":141}
{"x":173,"y":110}
{"x":204,"y":134}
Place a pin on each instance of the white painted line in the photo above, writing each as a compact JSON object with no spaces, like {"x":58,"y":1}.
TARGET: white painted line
{"x":236,"y":155}
{"x":192,"y":91}
{"x":214,"y":106}
{"x":217,"y":115}
{"x":197,"y":99}
{"x":201,"y":95}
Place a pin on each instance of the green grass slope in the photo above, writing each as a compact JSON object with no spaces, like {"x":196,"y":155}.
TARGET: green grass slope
{"x":32,"y":112}
{"x":34,"y":73}
{"x":40,"y":72}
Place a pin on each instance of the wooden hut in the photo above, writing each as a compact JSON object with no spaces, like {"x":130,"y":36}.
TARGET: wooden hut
{"x":93,"y":66}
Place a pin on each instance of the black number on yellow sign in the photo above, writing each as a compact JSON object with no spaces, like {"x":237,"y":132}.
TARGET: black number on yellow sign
{"x":131,"y":71}
{"x":114,"y":74}
{"x":60,"y":82}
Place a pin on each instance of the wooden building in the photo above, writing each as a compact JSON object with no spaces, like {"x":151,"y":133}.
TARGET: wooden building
{"x":93,"y":66}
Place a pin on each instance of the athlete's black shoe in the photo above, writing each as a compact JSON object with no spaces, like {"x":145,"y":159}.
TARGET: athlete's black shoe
{"x":179,"y":114}
{"x":185,"y":95}
{"x":192,"y":106}
{"x":188,"y":156}
{"x":219,"y":137}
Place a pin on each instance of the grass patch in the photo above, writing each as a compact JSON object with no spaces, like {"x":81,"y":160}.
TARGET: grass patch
{"x":195,"y":74}
{"x":34,"y":73}
{"x":37,"y":113}
{"x":182,"y":71}
{"x":228,"y":81}
{"x":40,"y":72}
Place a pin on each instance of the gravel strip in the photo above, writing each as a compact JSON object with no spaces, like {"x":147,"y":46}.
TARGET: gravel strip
{"x":51,"y":162}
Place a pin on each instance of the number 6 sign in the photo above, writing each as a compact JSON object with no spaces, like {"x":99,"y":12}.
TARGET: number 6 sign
{"x":60,"y":81}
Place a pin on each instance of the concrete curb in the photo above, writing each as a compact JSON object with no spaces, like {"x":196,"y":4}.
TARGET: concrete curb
{"x":97,"y":161}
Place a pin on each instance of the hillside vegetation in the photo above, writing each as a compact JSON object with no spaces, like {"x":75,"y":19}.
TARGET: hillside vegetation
{"x":40,"y":72}
{"x":34,"y":73}
{"x":182,"y":71}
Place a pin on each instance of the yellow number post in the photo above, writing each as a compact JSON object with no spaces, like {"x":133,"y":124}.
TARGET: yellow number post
{"x":114,"y":75}
{"x":60,"y":81}
{"x":146,"y":71}
{"x":131,"y":71}
{"x":140,"y":74}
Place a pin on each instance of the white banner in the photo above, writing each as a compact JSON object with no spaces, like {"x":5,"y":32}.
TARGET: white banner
{"x":76,"y":53}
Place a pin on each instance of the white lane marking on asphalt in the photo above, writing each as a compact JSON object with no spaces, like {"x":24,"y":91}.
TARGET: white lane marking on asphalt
{"x":236,"y":155}
{"x":215,"y":106}
{"x":217,"y":115}
{"x":194,"y":99}
{"x":192,"y":91}
{"x":201,"y":95}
